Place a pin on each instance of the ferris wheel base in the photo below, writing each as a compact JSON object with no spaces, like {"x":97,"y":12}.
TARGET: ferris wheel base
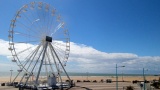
{"x":58,"y":86}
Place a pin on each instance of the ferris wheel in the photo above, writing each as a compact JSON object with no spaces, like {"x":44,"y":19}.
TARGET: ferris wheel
{"x":39,"y":42}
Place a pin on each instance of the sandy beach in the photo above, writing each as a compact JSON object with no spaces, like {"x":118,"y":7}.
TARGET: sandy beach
{"x":97,"y":78}
{"x":94,"y":85}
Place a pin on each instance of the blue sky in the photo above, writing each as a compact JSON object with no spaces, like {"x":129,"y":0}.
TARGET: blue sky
{"x":110,"y":26}
{"x":118,"y":26}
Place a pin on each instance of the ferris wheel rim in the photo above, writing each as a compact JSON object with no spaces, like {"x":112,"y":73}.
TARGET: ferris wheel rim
{"x":12,"y":42}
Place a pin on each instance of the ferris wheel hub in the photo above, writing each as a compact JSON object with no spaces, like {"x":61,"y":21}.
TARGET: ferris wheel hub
{"x":49,"y":39}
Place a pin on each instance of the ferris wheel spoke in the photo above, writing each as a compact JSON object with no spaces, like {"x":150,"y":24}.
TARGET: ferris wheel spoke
{"x":46,"y":27}
{"x":26,"y":18}
{"x":44,"y":20}
{"x":25,"y":35}
{"x":61,"y":52}
{"x":52,"y":24}
{"x":27,"y":60}
{"x":18,"y":65}
{"x":57,"y":47}
{"x":24,"y":50}
{"x":24,"y":27}
{"x":35,"y":64}
{"x":30,"y":22}
{"x":41,"y":18}
{"x":23,"y":63}
{"x":35,"y":22}
{"x":66,"y":53}
{"x":31,"y":58}
{"x":61,"y":39}
{"x":57,"y":28}
{"x":51,"y":20}
{"x":27,"y":42}
{"x":48,"y":19}
{"x":57,"y":36}
{"x":59,"y":44}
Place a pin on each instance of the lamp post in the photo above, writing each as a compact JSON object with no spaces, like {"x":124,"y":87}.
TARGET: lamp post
{"x":117,"y":76}
{"x":87,"y":76}
{"x":116,"y":79}
{"x":122,"y":75}
{"x":11,"y":75}
{"x":144,"y":79}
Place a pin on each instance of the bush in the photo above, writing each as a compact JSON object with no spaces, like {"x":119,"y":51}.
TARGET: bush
{"x":130,"y":88}
{"x":78,"y":80}
{"x":95,"y":81}
{"x":156,"y":85}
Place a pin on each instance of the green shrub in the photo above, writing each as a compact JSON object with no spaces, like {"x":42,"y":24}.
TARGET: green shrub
{"x":129,"y":88}
{"x":156,"y":85}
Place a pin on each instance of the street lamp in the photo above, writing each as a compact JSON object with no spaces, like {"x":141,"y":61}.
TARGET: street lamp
{"x":122,"y":75}
{"x":87,"y":76}
{"x":144,"y":79}
{"x":117,"y":76}
{"x":11,"y":75}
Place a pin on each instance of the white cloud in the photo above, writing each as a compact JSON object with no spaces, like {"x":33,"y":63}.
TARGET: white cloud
{"x":89,"y":58}
{"x":89,"y":52}
{"x":4,"y":48}
{"x":86,"y":58}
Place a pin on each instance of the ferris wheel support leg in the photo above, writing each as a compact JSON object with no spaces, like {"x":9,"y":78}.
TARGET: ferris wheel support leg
{"x":61,"y":65}
{"x":34,"y":53}
{"x":57,"y":67}
{"x":22,"y":79}
{"x":16,"y":77}
{"x":46,"y":68}
{"x":31,"y":72}
{"x":60,"y":76}
{"x":45,"y":48}
{"x":49,"y":60}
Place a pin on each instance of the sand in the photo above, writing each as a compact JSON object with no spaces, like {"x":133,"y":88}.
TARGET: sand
{"x":94,"y":86}
{"x":97,"y":78}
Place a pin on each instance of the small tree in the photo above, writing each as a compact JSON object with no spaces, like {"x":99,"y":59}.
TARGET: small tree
{"x":130,"y":88}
